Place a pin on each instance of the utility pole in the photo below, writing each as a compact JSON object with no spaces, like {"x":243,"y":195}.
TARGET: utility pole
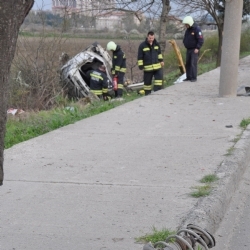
{"x":230,"y":48}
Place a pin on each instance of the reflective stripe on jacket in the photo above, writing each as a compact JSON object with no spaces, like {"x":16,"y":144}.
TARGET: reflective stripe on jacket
{"x":98,"y":81}
{"x":150,"y":56}
{"x":118,"y":61}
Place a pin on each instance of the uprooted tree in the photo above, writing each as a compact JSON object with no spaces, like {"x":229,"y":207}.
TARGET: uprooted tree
{"x":12,"y":15}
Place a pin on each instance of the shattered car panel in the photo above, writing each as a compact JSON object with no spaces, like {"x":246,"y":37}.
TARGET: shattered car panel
{"x":73,"y":73}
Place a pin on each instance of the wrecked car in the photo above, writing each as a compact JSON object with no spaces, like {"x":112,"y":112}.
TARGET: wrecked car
{"x":73,"y":72}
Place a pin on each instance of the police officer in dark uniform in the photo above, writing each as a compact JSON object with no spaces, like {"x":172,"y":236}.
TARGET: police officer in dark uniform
{"x":118,"y":66}
{"x":99,"y":82}
{"x":150,"y":60}
{"x":193,"y":40}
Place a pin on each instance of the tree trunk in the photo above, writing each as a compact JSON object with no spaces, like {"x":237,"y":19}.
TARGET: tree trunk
{"x":163,"y":24}
{"x":12,"y":15}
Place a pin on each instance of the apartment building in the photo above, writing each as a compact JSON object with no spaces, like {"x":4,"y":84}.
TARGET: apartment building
{"x":82,"y":7}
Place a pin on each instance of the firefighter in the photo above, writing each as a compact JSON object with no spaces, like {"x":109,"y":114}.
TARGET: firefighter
{"x":99,"y":82}
{"x":150,"y":60}
{"x":118,"y":66}
{"x":193,"y":40}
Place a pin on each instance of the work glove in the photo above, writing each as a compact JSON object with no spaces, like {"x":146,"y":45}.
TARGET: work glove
{"x":141,"y":67}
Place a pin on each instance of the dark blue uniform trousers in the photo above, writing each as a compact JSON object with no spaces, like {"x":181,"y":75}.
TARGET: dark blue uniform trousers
{"x":148,"y":76}
{"x":191,"y":64}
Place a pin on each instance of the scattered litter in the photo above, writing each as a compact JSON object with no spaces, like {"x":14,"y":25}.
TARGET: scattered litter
{"x":181,"y":78}
{"x":15,"y":111}
{"x":70,"y":108}
{"x":229,"y":126}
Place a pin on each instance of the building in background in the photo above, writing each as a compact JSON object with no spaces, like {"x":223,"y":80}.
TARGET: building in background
{"x":81,"y":7}
{"x":115,"y":20}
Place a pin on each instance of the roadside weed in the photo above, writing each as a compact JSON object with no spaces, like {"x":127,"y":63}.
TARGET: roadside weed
{"x":237,"y":138}
{"x":204,"y":190}
{"x":155,"y":236}
{"x":229,"y":151}
{"x":244,"y":123}
{"x":201,"y":191}
{"x":209,"y":178}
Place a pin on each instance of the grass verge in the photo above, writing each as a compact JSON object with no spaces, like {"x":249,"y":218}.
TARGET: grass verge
{"x":33,"y":124}
{"x":25,"y":127}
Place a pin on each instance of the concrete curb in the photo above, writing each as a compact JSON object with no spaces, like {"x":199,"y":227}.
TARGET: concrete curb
{"x":209,"y":211}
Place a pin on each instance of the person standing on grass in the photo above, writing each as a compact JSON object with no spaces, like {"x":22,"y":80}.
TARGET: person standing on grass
{"x":150,"y":60}
{"x":118,"y":66}
{"x":193,"y":40}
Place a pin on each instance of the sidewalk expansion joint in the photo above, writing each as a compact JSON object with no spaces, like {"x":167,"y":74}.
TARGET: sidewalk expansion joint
{"x":91,"y":184}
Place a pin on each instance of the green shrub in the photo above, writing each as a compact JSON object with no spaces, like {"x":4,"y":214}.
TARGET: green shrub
{"x":171,"y":61}
{"x":244,"y":43}
{"x":211,"y":44}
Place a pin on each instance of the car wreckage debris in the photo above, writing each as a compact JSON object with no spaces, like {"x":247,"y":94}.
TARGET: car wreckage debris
{"x":190,"y":238}
{"x":73,"y":72}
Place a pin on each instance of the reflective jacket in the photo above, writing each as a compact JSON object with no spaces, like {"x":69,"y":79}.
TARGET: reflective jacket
{"x":98,"y":82}
{"x":193,"y":38}
{"x":118,"y":61}
{"x":149,"y":56}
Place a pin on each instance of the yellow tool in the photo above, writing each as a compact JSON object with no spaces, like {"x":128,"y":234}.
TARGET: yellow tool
{"x":179,"y":56}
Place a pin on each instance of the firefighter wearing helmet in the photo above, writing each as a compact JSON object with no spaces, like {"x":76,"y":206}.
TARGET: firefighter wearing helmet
{"x":118,"y":66}
{"x":193,"y":40}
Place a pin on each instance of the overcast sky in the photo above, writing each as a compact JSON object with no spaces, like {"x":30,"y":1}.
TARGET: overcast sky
{"x":43,"y":4}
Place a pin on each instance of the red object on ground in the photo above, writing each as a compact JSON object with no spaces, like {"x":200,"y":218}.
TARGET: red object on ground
{"x":115,"y":84}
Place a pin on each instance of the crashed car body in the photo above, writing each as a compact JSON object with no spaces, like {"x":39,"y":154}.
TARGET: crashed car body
{"x":73,"y":72}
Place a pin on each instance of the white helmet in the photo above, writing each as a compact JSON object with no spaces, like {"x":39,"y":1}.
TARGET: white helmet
{"x":188,"y":20}
{"x":111,"y":46}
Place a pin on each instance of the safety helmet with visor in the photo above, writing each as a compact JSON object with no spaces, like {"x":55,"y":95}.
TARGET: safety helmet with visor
{"x":111,"y":46}
{"x":188,"y":20}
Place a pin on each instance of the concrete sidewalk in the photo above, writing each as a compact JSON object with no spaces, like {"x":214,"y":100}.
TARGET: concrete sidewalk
{"x":101,"y":182}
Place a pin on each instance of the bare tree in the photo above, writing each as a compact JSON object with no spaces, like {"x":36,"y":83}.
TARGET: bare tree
{"x":156,"y":9}
{"x":12,"y":15}
{"x":35,"y":82}
{"x":163,"y":23}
